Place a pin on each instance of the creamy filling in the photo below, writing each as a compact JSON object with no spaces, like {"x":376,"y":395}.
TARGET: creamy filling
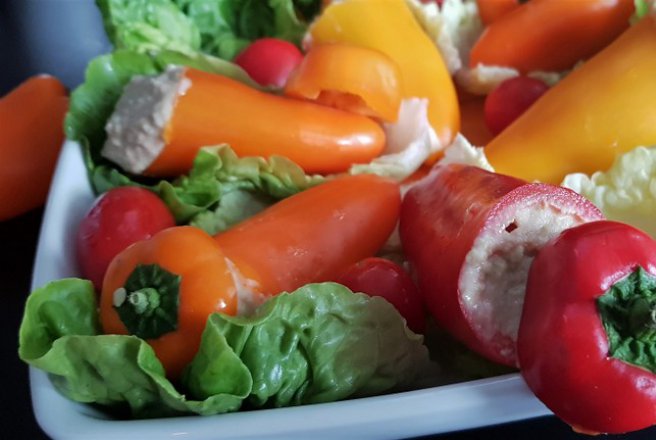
{"x":135,"y":130}
{"x":493,"y":280}
{"x":249,"y":297}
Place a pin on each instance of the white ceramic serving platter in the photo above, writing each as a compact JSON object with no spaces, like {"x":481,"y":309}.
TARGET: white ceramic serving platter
{"x":422,"y":412}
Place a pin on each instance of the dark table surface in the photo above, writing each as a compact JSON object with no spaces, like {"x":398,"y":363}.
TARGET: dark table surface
{"x":67,"y":36}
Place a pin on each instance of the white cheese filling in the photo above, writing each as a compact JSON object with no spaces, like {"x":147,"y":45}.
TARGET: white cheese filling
{"x":135,"y":130}
{"x":493,"y":280}
{"x":248,"y":296}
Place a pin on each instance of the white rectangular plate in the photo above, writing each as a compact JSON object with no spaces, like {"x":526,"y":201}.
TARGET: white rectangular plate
{"x":422,"y":412}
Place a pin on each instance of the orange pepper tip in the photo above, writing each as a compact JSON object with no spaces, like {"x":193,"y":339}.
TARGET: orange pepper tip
{"x":351,"y":78}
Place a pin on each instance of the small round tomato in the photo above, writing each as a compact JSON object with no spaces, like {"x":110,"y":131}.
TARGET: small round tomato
{"x":118,"y":218}
{"x":269,"y":61}
{"x":380,"y":277}
{"x":510,"y":99}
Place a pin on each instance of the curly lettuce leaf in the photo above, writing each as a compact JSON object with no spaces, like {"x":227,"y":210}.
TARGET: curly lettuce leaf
{"x":221,"y":28}
{"x":148,"y":25}
{"x":228,"y":26}
{"x":204,"y":197}
{"x":199,"y":198}
{"x":325,"y":342}
{"x":320,"y":343}
{"x":231,"y":209}
{"x":626,"y":192}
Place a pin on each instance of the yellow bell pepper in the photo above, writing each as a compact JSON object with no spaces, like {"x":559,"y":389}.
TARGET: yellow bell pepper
{"x":599,"y":111}
{"x":388,"y":26}
{"x":351,"y":78}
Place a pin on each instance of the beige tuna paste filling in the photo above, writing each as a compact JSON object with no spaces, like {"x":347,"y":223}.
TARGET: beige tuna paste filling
{"x":493,"y":281}
{"x":135,"y":130}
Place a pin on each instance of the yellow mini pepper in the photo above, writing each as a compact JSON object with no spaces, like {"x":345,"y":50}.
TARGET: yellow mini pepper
{"x":388,"y":26}
{"x":599,"y":111}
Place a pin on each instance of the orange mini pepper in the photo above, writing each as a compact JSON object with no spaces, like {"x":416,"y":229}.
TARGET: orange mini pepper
{"x":164,"y":288}
{"x":31,"y":135}
{"x":492,"y":10}
{"x":314,"y":235}
{"x":210,"y":109}
{"x":217,"y":109}
{"x":389,"y":27}
{"x":597,"y":112}
{"x":350,"y":78}
{"x":551,"y":35}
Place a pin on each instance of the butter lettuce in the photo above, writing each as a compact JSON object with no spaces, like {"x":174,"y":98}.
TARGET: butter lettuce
{"x":149,"y":25}
{"x":325,"y":342}
{"x":221,"y":189}
{"x":221,"y":28}
{"x":626,"y":192}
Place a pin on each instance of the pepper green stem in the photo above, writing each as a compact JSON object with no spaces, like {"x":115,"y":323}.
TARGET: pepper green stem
{"x":144,"y":300}
{"x":628,"y":313}
{"x":642,"y":318}
{"x":148,"y":303}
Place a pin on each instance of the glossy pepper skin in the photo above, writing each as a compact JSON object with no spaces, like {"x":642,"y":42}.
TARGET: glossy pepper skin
{"x":350,"y":78}
{"x":31,"y":135}
{"x":551,"y":35}
{"x":597,"y":112}
{"x":389,"y":27}
{"x":314,"y":235}
{"x":491,"y":10}
{"x":205,"y":286}
{"x":563,"y":345}
{"x":444,"y":218}
{"x":215,"y":109}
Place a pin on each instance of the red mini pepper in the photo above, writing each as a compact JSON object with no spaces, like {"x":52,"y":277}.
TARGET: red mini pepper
{"x":588,"y":329}
{"x":470,"y":236}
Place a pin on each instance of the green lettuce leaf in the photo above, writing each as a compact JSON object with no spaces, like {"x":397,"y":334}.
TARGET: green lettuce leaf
{"x":148,"y":25}
{"x":221,"y":28}
{"x":319,"y":344}
{"x":228,"y":26}
{"x":325,"y":342}
{"x":231,"y":209}
{"x":205,"y":198}
{"x":626,"y":192}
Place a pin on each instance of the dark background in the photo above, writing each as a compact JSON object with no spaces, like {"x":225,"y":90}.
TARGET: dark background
{"x":58,"y":37}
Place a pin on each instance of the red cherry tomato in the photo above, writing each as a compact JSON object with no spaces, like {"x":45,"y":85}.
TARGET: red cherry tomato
{"x":510,"y":99}
{"x":380,"y":277}
{"x":117,"y":219}
{"x":269,"y":61}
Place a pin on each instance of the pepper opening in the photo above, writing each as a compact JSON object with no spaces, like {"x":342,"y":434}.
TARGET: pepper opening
{"x":628,"y":313}
{"x":148,"y":303}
